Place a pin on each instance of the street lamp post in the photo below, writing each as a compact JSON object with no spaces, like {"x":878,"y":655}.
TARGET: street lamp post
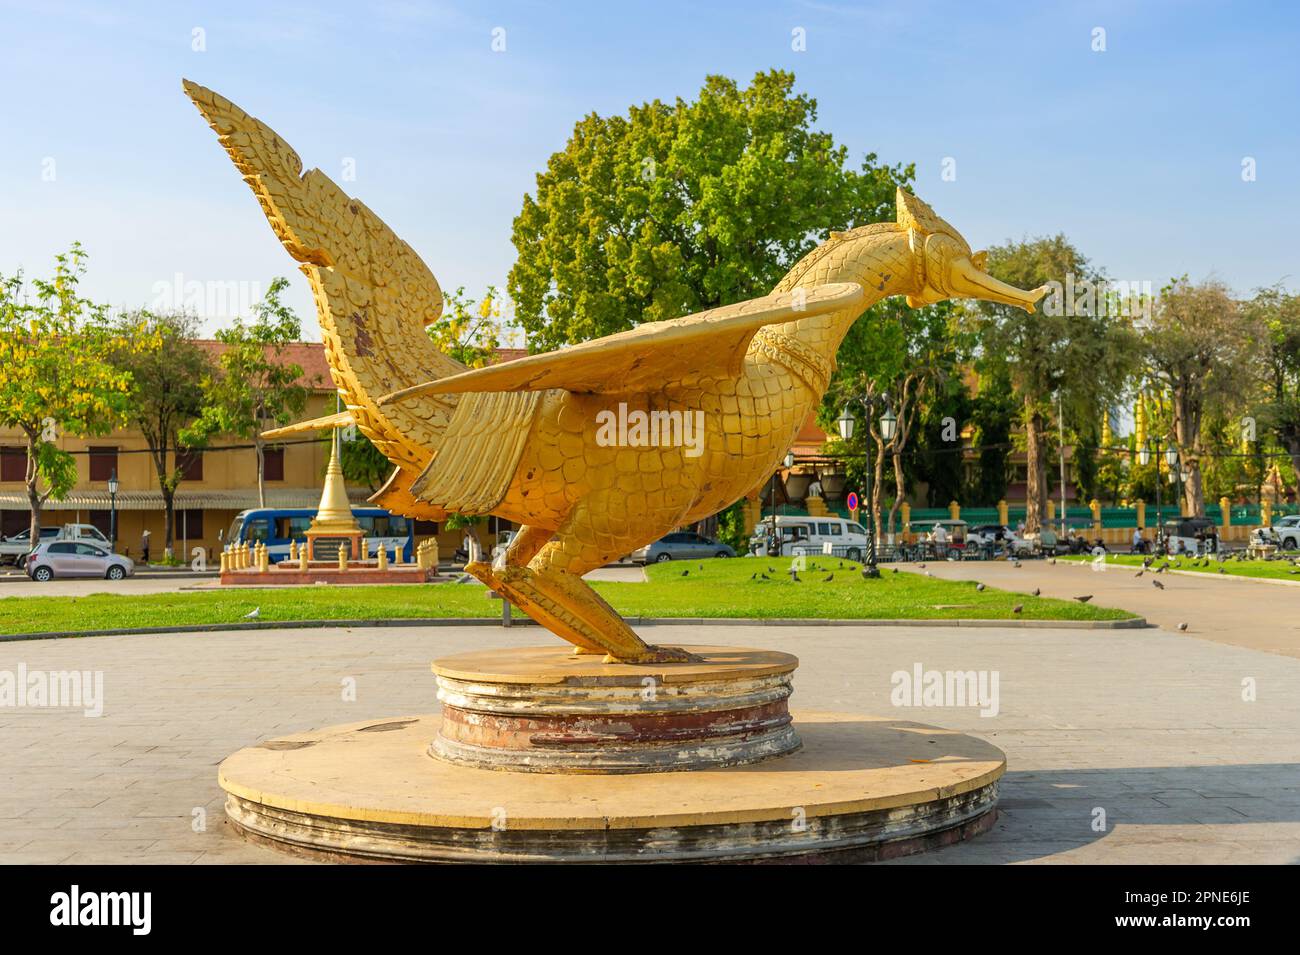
{"x":1144,"y":458}
{"x":775,"y":535}
{"x":1171,"y":458}
{"x":888,"y":427}
{"x":112,"y":509}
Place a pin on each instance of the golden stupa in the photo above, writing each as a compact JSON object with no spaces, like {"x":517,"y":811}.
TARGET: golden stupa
{"x":334,"y":525}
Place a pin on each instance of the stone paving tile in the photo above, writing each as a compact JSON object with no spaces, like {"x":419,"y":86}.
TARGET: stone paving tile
{"x":1149,"y":726}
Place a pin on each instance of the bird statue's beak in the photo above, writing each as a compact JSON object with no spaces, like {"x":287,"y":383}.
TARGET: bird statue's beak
{"x":965,"y":279}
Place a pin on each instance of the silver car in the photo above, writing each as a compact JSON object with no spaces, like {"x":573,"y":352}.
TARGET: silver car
{"x":682,"y":545}
{"x":64,"y":558}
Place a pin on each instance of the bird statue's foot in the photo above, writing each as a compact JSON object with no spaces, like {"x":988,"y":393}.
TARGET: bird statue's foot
{"x":653,"y":654}
{"x":584,"y":650}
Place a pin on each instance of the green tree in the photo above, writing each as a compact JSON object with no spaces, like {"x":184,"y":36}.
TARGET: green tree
{"x":993,"y":415}
{"x":361,"y":461}
{"x":1087,"y":439}
{"x":1228,"y":465}
{"x":1078,"y":347}
{"x":1277,"y":409}
{"x":253,"y":388}
{"x":901,"y":358}
{"x":167,"y":370}
{"x":680,"y":207}
{"x":1113,"y":470}
{"x":939,"y":461}
{"x":55,"y":375}
{"x":470,"y":331}
{"x":1200,"y":348}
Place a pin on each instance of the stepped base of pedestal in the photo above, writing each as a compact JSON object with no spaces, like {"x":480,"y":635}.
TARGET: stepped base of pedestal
{"x":860,"y":788}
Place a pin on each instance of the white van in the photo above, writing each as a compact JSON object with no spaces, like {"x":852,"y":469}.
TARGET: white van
{"x":84,"y":532}
{"x":808,"y":536}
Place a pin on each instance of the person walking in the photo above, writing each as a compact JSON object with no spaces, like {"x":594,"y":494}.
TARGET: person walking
{"x":144,"y":546}
{"x":940,"y":538}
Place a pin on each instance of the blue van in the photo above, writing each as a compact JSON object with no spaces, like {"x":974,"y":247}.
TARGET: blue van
{"x":277,"y":526}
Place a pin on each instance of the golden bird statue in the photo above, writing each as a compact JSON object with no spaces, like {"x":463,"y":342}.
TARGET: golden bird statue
{"x":602,"y":447}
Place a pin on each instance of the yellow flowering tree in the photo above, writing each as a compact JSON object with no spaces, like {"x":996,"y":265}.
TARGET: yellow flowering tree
{"x":470,"y":331}
{"x":56,"y":377}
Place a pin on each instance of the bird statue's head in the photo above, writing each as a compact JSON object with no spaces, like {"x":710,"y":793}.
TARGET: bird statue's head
{"x":944,"y":266}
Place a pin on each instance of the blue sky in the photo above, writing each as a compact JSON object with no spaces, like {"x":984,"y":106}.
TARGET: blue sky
{"x":1135,"y":153}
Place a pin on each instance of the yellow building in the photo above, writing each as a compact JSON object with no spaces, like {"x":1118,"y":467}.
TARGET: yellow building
{"x":222,"y":480}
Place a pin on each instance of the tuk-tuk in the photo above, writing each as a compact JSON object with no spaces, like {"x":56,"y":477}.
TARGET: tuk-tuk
{"x":1190,"y":535}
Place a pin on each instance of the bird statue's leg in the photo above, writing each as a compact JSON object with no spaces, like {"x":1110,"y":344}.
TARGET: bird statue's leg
{"x":550,"y":589}
{"x":502,"y":574}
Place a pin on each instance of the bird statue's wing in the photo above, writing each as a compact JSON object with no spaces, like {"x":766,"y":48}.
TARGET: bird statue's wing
{"x":374,"y":294}
{"x":706,"y":344}
{"x":340,"y":420}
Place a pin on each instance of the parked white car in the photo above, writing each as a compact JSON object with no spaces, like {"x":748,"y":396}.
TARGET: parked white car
{"x":74,"y":558}
{"x":1287,"y":530}
{"x":14,"y":550}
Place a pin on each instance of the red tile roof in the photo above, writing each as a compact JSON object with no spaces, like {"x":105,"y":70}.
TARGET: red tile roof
{"x":810,"y":439}
{"x":309,"y":356}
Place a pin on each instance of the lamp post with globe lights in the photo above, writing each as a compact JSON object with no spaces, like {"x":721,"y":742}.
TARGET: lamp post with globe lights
{"x":1145,"y":456}
{"x":112,"y":510}
{"x":888,"y":428}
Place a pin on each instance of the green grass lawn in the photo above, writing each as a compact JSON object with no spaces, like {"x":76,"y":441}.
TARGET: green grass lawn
{"x":1278,"y":569}
{"x":723,"y":588}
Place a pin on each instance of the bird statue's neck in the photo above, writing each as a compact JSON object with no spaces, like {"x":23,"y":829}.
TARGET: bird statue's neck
{"x":877,"y":257}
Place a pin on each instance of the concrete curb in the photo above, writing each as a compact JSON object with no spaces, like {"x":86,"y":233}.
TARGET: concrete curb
{"x":1202,"y":573}
{"x":1133,"y":623}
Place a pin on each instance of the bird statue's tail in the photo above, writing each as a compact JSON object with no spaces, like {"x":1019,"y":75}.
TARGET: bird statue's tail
{"x":374,"y":295}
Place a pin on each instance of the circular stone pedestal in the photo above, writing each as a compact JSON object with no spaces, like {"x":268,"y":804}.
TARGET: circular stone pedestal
{"x":860,"y":788}
{"x":546,"y":709}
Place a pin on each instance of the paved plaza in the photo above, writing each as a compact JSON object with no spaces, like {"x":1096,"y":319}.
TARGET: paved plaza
{"x":1122,"y":745}
{"x":1239,"y":611}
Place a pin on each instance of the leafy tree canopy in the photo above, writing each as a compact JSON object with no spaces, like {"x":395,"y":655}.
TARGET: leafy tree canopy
{"x":253,"y":387}
{"x":680,"y":207}
{"x":55,"y":376}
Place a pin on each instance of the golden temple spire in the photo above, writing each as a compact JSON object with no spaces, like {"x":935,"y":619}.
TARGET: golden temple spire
{"x":335,"y":511}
